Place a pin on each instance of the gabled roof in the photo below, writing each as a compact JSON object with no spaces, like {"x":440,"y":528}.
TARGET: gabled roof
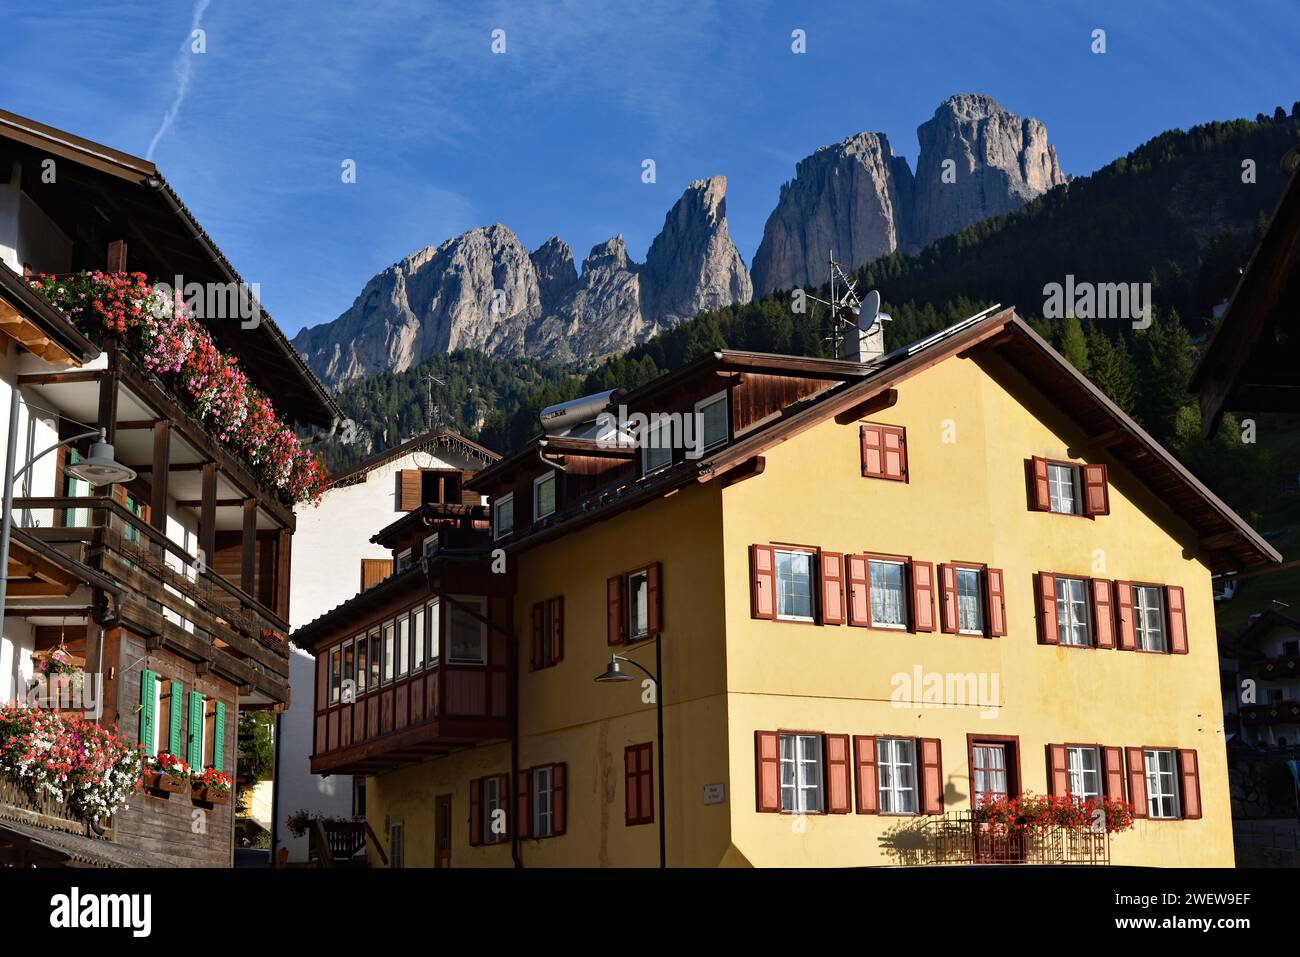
{"x":166,"y":238}
{"x":1252,"y":362}
{"x":438,"y":438}
{"x":1228,"y":543}
{"x":1264,"y":623}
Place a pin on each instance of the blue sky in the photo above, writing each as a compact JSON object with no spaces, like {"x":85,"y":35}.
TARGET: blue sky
{"x":549,"y":136}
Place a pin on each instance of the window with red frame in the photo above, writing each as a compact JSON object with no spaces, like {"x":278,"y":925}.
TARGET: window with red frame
{"x":638,"y":784}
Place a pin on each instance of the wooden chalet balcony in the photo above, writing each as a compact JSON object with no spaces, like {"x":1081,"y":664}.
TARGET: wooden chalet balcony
{"x":227,"y":628}
{"x":425,"y":715}
{"x":43,"y":811}
{"x":1284,"y":712}
{"x":1283,"y":666}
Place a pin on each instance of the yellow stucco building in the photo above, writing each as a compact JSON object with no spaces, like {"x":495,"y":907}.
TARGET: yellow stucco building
{"x":883,"y":592}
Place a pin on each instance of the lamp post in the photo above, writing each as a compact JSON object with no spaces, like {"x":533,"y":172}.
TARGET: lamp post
{"x":98,"y":468}
{"x":615,"y":673}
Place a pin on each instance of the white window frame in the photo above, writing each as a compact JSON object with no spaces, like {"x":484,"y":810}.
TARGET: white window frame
{"x":157,"y":714}
{"x":388,"y":651}
{"x":649,"y":464}
{"x":543,"y":822}
{"x":903,"y":596}
{"x":433,"y":610}
{"x":1140,"y":622}
{"x":1066,"y":624}
{"x":981,"y":624}
{"x":416,"y":615}
{"x":699,"y":412}
{"x":1156,"y":795}
{"x":892,"y":792}
{"x":481,"y":603}
{"x":403,"y":561}
{"x":634,"y":632}
{"x":402,"y":644}
{"x":489,"y":806}
{"x":808,"y":773}
{"x":497,"y":506}
{"x":397,"y":848}
{"x":537,"y":498}
{"x":776,"y":579}
{"x":428,"y":545}
{"x":1077,"y":772}
{"x":335,"y":686}
{"x":1055,"y":487}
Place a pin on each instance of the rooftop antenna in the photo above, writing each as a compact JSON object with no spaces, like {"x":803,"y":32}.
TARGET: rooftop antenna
{"x":431,"y":412}
{"x":848,"y":309}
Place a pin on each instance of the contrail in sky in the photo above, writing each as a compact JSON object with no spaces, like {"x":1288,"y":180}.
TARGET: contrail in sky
{"x":184,"y":70}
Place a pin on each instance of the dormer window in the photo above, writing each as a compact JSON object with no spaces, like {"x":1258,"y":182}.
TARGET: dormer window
{"x":544,"y":495}
{"x":657,"y":445}
{"x":712,"y":421}
{"x":503,"y":516}
{"x":403,"y":560}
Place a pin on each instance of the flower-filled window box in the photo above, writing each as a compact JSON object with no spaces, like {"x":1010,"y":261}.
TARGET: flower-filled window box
{"x":211,"y":787}
{"x":167,"y":774}
{"x":179,"y":350}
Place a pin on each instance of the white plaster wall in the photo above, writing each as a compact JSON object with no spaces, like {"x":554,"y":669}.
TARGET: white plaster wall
{"x":328,"y":546}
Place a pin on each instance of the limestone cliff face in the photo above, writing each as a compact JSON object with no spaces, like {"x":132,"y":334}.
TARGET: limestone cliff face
{"x":853,"y":199}
{"x":859,"y":201}
{"x":483,"y":290}
{"x":1000,"y":162}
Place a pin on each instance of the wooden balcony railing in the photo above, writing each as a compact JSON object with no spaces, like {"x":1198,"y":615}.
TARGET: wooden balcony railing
{"x":121,"y":544}
{"x":337,"y":843}
{"x":44,"y":811}
{"x":1283,"y":712}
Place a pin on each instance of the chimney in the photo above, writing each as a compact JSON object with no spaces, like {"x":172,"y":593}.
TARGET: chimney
{"x":864,"y":344}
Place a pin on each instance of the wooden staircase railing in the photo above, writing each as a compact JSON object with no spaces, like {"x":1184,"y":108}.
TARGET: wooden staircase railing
{"x":337,"y":843}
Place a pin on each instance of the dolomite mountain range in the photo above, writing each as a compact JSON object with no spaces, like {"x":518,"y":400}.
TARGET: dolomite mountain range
{"x":484,"y":290}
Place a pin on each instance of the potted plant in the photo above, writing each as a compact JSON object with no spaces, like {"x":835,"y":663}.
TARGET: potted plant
{"x":167,"y":773}
{"x":212,"y":786}
{"x":300,"y":821}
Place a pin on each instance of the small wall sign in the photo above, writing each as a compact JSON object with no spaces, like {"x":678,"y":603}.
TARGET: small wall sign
{"x":715,"y":793}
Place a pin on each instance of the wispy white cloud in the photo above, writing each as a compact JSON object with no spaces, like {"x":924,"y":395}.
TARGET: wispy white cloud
{"x":184,"y":73}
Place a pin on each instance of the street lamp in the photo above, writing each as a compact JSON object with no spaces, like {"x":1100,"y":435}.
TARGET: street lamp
{"x":98,"y":468}
{"x":613,"y":672}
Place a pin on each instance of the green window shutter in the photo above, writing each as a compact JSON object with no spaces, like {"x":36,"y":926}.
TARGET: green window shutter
{"x":148,"y":683}
{"x":174,"y":732}
{"x":219,"y":736}
{"x":195,"y":756}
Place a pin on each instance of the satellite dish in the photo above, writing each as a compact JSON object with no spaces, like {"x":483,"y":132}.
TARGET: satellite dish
{"x":869,"y":310}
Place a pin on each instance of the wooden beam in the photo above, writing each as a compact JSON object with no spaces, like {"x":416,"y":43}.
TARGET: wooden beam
{"x":208,"y":513}
{"x":127,"y":424}
{"x":57,"y":378}
{"x":877,"y":403}
{"x":221,"y":502}
{"x":162,"y":450}
{"x":282,"y":568}
{"x":247,"y":559}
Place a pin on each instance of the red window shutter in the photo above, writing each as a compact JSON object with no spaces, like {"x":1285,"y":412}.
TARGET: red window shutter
{"x":873,"y":451}
{"x":523,"y":802}
{"x":555,"y":608}
{"x":1103,"y":613}
{"x":1096,"y":492}
{"x":995,"y":599}
{"x":539,"y":633}
{"x":864,"y":754}
{"x":839,"y":789}
{"x":895,"y":458}
{"x":1191,"y":778}
{"x":859,"y":603}
{"x":762,"y":581}
{"x":931,"y":776}
{"x":922,"y":579}
{"x":1047,"y":633}
{"x":1041,"y":492}
{"x":1113,"y":761}
{"x":767,"y":761}
{"x":654,"y":598}
{"x":475,"y":812}
{"x":831,"y":611}
{"x":1058,"y":772}
{"x":1176,"y":616}
{"x":1137,"y":781}
{"x":1126,"y":636}
{"x":948,"y":600}
{"x":645,"y":777}
{"x":559,"y":798}
{"x":616,"y":621}
{"x":630,"y":808}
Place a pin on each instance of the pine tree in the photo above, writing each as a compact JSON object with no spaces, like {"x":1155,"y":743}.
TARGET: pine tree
{"x":1070,"y":342}
{"x":1111,"y":368}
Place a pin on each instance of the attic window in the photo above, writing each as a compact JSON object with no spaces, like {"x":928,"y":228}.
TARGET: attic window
{"x":657,"y":445}
{"x":503,"y":516}
{"x":544,"y":495}
{"x":714,"y":427}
